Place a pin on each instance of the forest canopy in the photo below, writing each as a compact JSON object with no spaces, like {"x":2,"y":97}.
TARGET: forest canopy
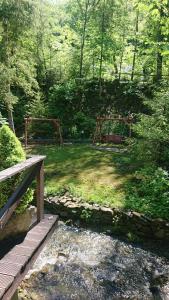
{"x":94,"y":56}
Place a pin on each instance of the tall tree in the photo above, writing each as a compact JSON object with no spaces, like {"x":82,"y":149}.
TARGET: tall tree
{"x":15,"y":18}
{"x":135,"y":43}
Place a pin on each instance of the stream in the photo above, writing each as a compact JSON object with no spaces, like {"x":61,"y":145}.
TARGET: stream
{"x":80,"y":264}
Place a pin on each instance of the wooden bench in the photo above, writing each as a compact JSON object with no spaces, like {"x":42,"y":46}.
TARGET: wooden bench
{"x":112,"y":138}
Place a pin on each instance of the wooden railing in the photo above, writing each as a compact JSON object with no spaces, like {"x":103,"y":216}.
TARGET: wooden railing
{"x":35,"y":168}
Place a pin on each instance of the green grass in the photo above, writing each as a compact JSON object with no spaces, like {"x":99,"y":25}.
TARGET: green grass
{"x":100,"y":177}
{"x":91,"y":174}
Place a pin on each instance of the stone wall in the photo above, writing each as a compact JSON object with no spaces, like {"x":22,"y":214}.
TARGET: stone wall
{"x":106,"y":219}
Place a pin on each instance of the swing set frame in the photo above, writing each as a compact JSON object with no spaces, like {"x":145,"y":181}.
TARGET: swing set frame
{"x":56,"y":125}
{"x":111,"y":138}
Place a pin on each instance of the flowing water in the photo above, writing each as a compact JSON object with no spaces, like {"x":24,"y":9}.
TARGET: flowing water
{"x":83,"y":265}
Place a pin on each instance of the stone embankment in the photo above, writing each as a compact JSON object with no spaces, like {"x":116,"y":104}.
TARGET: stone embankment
{"x":109,"y":220}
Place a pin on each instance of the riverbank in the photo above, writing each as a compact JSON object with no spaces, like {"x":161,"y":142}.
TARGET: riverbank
{"x":131,"y":224}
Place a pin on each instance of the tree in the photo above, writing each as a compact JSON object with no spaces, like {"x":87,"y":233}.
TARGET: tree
{"x":15,"y":18}
{"x":135,"y":43}
{"x":82,"y":11}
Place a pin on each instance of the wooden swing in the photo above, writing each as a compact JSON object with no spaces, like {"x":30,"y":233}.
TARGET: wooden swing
{"x":56,"y":125}
{"x":111,"y":138}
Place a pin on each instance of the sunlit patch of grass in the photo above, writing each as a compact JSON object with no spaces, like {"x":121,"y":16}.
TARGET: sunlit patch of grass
{"x":86,"y":172}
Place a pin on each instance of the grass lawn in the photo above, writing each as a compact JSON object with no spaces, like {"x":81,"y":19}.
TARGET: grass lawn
{"x":94,"y":175}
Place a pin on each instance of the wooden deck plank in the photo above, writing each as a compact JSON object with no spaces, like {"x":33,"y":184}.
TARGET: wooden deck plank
{"x":5,"y":281}
{"x":35,"y":237}
{"x":18,"y":259}
{"x":2,"y":291}
{"x":23,"y":251}
{"x":30,"y":243}
{"x":15,"y":265}
{"x":39,"y":230}
{"x":10,"y":268}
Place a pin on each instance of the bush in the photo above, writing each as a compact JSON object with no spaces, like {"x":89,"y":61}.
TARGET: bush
{"x":148,"y":192}
{"x":11,"y":153}
{"x":152,"y":130}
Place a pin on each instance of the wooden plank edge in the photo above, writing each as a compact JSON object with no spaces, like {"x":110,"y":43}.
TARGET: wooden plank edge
{"x":11,"y":290}
{"x":18,"y":168}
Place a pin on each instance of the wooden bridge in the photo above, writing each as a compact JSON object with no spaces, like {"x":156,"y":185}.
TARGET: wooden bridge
{"x":19,"y":258}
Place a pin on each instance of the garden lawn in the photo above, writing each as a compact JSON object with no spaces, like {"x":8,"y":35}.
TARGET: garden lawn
{"x":94,"y":175}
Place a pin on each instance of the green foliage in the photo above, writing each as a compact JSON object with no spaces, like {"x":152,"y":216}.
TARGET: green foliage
{"x":152,"y":130}
{"x":67,"y":102}
{"x":11,"y":153}
{"x":41,"y":61}
{"x":114,"y":127}
{"x":15,"y":20}
{"x":86,"y":215}
{"x":148,"y":192}
{"x":78,"y":104}
{"x":3,"y":120}
{"x":149,"y":189}
{"x":83,"y":59}
{"x":37,"y":108}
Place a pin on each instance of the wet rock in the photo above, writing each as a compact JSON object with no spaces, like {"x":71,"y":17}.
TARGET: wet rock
{"x":160,"y":279}
{"x":160,"y":233}
{"x":77,"y":223}
{"x":69,"y":222}
{"x":160,"y":286}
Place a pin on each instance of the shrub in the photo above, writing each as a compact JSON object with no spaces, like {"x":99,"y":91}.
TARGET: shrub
{"x":11,"y":153}
{"x":148,"y":192}
{"x":152,"y":130}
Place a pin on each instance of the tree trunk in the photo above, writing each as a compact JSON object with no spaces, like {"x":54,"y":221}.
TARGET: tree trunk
{"x":9,"y":110}
{"x":159,"y":62}
{"x":135,"y":47}
{"x":115,"y":66}
{"x":101,"y":50}
{"x":8,"y":82}
{"x":159,"y":66}
{"x":121,"y":62}
{"x":93,"y":65}
{"x":10,"y":119}
{"x":123,"y":40}
{"x":83,"y":39}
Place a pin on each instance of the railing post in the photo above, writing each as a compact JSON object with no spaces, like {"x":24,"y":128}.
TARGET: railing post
{"x":40,"y":193}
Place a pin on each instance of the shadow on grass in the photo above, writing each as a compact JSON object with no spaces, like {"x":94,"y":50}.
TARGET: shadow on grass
{"x":86,"y":168}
